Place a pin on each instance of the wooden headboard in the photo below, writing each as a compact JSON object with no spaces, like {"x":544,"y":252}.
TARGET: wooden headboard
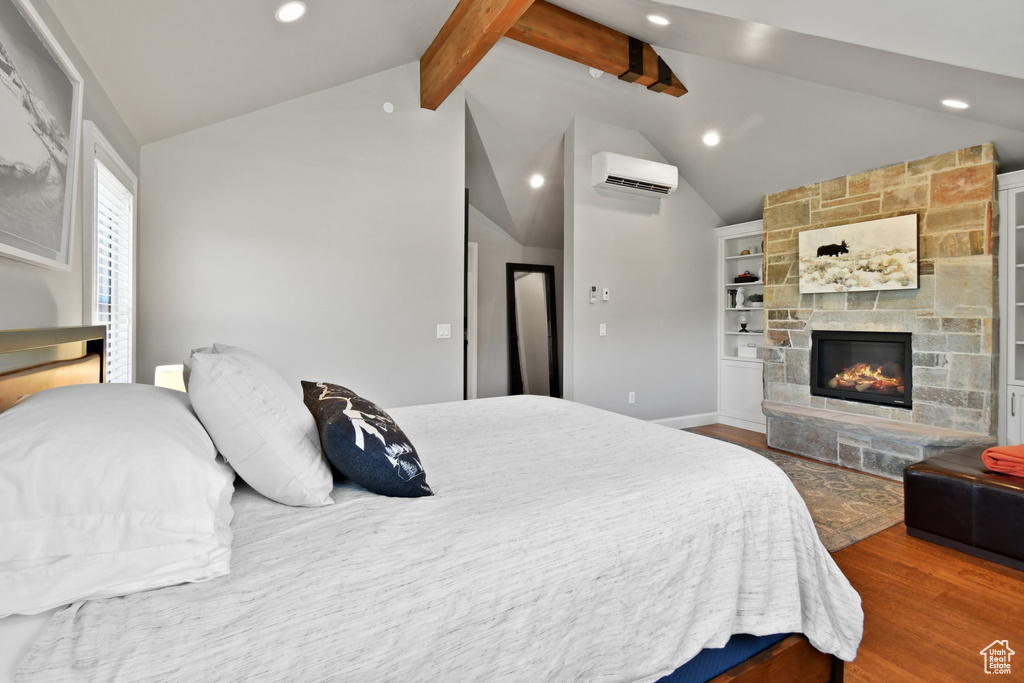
{"x":34,"y":360}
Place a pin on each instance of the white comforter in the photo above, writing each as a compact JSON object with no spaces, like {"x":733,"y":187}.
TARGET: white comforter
{"x":563,"y":543}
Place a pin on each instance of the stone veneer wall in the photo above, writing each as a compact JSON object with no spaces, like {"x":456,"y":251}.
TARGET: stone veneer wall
{"x":952,"y":315}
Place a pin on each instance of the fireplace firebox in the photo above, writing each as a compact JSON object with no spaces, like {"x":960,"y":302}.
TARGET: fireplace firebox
{"x":871,"y":367}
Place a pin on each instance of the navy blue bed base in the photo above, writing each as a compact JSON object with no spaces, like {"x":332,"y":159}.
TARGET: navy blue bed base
{"x":712,"y":662}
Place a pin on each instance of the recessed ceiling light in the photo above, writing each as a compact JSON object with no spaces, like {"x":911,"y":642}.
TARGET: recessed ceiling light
{"x":657,"y":19}
{"x":536,"y":180}
{"x":290,"y":11}
{"x":956,"y":104}
{"x":711,"y":138}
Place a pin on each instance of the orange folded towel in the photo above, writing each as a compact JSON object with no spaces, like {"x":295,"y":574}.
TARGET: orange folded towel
{"x":1005,"y":459}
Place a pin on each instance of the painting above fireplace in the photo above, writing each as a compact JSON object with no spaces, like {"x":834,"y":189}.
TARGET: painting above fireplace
{"x":870,"y":367}
{"x":858,"y":257}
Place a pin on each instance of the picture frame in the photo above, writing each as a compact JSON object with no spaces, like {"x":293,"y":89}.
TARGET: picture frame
{"x":859,"y":257}
{"x":41,"y":111}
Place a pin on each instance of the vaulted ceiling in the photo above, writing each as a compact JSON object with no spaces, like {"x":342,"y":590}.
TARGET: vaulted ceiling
{"x":799,"y":90}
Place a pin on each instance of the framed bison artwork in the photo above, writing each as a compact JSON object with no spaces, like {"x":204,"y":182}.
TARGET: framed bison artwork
{"x":860,"y":257}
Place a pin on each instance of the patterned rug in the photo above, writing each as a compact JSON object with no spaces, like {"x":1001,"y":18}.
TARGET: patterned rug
{"x":846,"y":506}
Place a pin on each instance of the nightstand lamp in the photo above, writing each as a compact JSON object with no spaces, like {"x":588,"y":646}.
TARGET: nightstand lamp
{"x":170,"y":377}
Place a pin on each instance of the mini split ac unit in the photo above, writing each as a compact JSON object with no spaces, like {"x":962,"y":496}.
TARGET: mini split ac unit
{"x":636,"y":176}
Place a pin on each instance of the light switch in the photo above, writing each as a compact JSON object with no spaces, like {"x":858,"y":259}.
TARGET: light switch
{"x":602,"y":330}
{"x":444,"y":331}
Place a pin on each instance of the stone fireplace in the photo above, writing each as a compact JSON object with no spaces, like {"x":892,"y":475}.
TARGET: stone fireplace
{"x":950,"y":320}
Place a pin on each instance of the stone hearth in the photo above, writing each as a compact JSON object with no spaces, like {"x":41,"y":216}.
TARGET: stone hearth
{"x":952,"y":316}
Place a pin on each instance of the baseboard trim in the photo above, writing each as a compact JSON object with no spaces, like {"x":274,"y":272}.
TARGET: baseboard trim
{"x":743,"y":424}
{"x":687,"y":421}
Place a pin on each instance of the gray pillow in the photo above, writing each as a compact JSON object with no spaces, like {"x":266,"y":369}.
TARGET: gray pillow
{"x":259,"y":425}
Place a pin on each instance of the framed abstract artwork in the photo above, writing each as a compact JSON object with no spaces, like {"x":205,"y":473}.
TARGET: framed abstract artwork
{"x":41,"y":120}
{"x":860,"y":257}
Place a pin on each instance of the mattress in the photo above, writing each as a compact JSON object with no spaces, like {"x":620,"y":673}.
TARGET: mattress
{"x":562,"y":543}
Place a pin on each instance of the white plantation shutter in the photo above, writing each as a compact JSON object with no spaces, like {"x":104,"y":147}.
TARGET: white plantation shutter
{"x":115,"y":206}
{"x":109,"y":250}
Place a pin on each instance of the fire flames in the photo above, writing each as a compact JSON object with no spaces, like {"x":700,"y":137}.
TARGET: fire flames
{"x":867,"y":377}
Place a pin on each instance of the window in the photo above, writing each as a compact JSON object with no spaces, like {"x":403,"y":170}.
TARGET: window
{"x":109,"y":250}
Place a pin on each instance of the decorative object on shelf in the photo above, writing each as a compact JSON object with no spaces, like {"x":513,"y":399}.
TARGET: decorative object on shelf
{"x":748,"y":351}
{"x":859,"y":257}
{"x":732,"y":298}
{"x":744,"y":320}
{"x":755,"y":300}
{"x":747,"y":276}
{"x":740,"y":297}
{"x":745,"y":252}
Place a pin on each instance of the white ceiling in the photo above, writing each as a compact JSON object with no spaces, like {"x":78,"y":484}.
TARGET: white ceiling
{"x":171,"y":66}
{"x":800,"y":90}
{"x":980,"y":34}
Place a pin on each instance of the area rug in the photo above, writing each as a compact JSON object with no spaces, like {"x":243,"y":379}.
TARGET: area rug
{"x":846,"y":506}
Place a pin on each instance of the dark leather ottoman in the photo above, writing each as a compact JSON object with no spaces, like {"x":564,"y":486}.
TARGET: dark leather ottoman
{"x":952,"y":499}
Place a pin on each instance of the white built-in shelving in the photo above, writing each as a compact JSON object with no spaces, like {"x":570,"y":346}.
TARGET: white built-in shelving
{"x":741,"y":353}
{"x":1011,"y":306}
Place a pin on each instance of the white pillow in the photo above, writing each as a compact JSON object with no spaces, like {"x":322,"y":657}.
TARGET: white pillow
{"x":259,"y":425}
{"x":105,"y":490}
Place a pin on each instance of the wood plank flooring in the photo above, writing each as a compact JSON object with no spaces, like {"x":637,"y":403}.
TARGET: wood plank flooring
{"x":928,"y":610}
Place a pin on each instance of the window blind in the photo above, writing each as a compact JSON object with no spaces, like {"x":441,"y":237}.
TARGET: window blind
{"x":114,"y":207}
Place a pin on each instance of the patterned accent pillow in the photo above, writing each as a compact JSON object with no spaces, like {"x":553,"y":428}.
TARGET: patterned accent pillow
{"x":364,"y":443}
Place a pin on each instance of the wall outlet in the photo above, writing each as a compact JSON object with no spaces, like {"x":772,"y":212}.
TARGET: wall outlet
{"x":606,"y":294}
{"x":632,"y":397}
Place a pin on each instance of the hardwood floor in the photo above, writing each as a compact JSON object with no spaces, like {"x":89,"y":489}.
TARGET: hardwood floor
{"x":928,"y":610}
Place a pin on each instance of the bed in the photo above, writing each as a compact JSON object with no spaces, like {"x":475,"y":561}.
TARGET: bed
{"x":561,"y":543}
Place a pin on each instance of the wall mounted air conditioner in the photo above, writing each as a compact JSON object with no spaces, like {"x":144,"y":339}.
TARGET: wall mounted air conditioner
{"x":636,"y":176}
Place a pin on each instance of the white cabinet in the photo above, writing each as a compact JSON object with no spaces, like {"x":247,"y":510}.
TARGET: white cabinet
{"x":1011,"y":306}
{"x":741,"y":325}
{"x":1011,"y":422}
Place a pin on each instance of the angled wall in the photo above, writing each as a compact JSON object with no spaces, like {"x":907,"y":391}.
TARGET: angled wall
{"x":657,"y":257}
{"x":323,"y":233}
{"x":497,"y":248}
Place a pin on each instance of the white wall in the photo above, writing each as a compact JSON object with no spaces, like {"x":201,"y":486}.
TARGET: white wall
{"x":32,"y":296}
{"x":658,"y":259}
{"x":322,"y":233}
{"x":496,"y":248}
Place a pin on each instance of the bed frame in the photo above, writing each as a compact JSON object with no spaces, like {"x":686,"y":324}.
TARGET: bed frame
{"x":34,"y":360}
{"x":793,"y":660}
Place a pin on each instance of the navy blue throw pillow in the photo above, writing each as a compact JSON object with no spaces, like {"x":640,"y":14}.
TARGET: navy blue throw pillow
{"x":364,"y":443}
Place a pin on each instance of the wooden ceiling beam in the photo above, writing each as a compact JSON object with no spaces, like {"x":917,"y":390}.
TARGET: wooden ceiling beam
{"x":472,"y":29}
{"x":563,"y":33}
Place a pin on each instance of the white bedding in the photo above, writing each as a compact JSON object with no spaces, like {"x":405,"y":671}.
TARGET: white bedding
{"x":16,"y":633}
{"x":563,"y":543}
